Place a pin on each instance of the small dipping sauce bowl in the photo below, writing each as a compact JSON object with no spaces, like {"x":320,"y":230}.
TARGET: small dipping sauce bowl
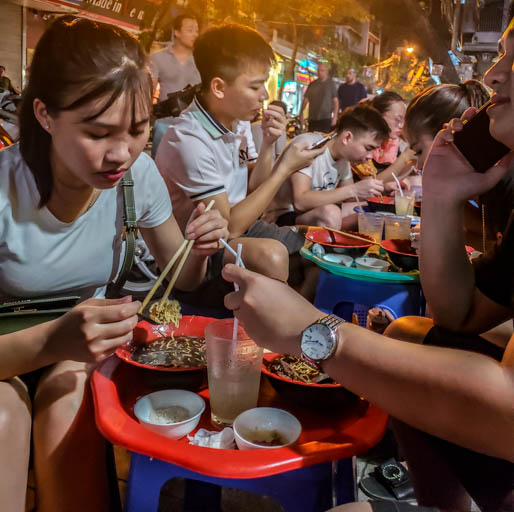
{"x":374,"y":264}
{"x":266,"y":428}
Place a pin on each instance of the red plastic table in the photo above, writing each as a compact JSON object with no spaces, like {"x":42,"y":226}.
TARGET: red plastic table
{"x":326,"y":436}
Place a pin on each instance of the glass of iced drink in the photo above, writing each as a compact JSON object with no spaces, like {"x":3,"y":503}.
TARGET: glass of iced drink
{"x":233,"y":371}
{"x":397,"y":227}
{"x":371,"y":224}
{"x":404,"y":204}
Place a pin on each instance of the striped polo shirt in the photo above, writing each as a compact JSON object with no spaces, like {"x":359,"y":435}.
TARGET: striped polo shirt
{"x":198,"y":157}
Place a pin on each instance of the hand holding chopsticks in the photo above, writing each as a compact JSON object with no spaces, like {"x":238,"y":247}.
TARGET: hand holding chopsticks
{"x":184,"y":249}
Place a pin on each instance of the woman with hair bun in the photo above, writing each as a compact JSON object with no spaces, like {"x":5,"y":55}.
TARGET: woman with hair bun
{"x":426,"y":114}
{"x":432,"y":108}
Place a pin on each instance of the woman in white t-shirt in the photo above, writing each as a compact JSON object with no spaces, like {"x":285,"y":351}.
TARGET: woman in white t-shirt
{"x":84,"y":121}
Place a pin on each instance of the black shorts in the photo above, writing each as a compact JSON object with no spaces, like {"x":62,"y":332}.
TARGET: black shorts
{"x":213,"y":289}
{"x":287,"y":219}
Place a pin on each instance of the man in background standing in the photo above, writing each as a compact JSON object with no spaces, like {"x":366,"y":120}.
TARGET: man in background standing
{"x":174,"y":67}
{"x":351,"y":92}
{"x":321,"y":95}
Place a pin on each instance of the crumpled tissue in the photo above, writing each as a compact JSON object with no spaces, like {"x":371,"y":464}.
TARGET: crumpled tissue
{"x":210,"y":439}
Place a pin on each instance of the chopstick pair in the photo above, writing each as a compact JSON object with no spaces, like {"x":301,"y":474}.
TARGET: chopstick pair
{"x":374,"y":173}
{"x":184,"y":249}
{"x":351,"y":235}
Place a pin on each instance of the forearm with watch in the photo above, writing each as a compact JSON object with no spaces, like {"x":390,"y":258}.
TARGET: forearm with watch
{"x":407,"y":379}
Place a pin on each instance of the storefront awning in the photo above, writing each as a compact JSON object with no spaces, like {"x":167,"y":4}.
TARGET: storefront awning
{"x":286,"y":51}
{"x":126,"y":13}
{"x":47,"y":5}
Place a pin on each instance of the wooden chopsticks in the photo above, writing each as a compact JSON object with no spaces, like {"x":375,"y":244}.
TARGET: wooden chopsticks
{"x":374,"y":173}
{"x":185,"y":248}
{"x":351,"y":235}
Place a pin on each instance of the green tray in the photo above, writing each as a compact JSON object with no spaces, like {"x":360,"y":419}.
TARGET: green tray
{"x":361,"y":275}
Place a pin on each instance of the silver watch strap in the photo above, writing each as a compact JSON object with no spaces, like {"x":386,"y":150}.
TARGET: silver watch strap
{"x":331,"y":321}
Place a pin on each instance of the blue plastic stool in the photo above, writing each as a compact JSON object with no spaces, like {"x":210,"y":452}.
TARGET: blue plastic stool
{"x":307,"y":489}
{"x":344,"y":296}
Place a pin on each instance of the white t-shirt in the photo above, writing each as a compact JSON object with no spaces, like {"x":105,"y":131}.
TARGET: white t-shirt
{"x":325,"y":172}
{"x":198,"y":157}
{"x":41,"y":256}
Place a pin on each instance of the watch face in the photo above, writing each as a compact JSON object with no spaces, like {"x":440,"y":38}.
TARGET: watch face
{"x":392,"y":472}
{"x":317,"y":342}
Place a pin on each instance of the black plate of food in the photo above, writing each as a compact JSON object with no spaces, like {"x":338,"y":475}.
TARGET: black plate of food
{"x":168,"y":348}
{"x":298,"y":383}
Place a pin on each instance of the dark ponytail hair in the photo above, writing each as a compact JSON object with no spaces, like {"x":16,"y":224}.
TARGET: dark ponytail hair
{"x":382,"y":102}
{"x":77,"y":61}
{"x":433,"y":107}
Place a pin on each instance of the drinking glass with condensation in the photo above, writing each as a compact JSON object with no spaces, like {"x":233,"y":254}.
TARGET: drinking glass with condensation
{"x":397,"y":227}
{"x":233,"y":371}
{"x":371,"y":224}
{"x":404,"y":203}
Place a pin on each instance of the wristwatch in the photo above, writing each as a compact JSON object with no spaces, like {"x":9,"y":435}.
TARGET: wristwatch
{"x":395,"y":478}
{"x":319,"y":340}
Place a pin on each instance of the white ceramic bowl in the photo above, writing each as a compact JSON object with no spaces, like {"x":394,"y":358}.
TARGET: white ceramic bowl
{"x":265,"y":423}
{"x":149,"y":410}
{"x":374,"y":264}
{"x":340,"y":259}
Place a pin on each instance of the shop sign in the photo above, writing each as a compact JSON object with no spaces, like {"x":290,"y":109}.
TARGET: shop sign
{"x":129,"y":11}
{"x":290,"y":87}
{"x":307,"y":71}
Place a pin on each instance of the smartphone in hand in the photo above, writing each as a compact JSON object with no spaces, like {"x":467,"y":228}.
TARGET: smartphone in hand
{"x":476,"y":143}
{"x":320,"y":143}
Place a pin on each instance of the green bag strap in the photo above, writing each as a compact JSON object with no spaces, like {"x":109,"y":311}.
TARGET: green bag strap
{"x":129,"y":231}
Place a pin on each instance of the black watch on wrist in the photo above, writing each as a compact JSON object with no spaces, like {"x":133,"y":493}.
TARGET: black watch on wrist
{"x":395,"y":478}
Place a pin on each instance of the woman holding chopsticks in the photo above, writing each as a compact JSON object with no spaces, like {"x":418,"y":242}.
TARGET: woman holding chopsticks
{"x":84,"y":122}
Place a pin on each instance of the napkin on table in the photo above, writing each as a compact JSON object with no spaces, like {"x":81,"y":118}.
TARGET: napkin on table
{"x":214,"y":439}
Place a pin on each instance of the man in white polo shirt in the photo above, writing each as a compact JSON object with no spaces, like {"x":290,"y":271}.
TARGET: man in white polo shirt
{"x":203,"y":155}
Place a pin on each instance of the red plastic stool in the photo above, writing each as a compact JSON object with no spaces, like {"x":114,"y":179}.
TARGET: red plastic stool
{"x":299,"y":477}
